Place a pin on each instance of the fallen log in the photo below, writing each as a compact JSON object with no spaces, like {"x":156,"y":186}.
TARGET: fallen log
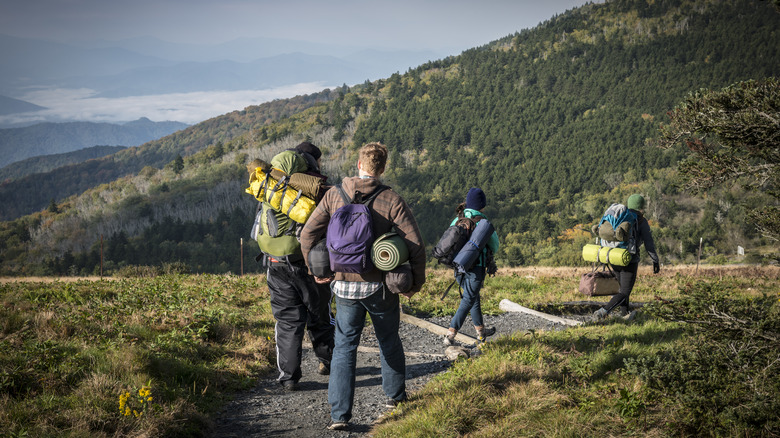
{"x":435,"y":328}
{"x":363,"y":349}
{"x":509,"y":306}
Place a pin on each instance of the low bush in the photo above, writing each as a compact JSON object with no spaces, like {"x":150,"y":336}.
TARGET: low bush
{"x":726,"y":378}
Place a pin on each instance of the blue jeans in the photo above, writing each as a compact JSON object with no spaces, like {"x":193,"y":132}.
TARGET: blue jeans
{"x":350,"y":318}
{"x":471,"y":282}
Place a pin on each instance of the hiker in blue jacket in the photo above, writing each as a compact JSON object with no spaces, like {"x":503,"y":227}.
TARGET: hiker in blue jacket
{"x":626,"y":275}
{"x":472,"y":280}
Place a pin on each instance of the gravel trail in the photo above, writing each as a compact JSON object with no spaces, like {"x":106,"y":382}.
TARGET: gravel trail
{"x":269,"y":411}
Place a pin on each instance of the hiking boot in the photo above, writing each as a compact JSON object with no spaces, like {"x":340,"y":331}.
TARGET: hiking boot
{"x":623,"y":311}
{"x":449,"y":339}
{"x":392,"y":403}
{"x":599,"y":314}
{"x":630,"y":316}
{"x":483,"y":332}
{"x":338,"y":425}
{"x":289,"y":385}
{"x":323,"y":369}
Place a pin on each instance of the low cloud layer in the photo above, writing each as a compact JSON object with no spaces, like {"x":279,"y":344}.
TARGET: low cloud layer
{"x":190,"y":108}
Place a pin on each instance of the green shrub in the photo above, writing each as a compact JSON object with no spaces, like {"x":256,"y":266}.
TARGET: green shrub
{"x":726,"y":379}
{"x":718,"y":259}
{"x":132,"y":271}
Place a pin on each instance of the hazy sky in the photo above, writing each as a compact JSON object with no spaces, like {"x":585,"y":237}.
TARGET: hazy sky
{"x":443,"y":26}
{"x":427,"y":24}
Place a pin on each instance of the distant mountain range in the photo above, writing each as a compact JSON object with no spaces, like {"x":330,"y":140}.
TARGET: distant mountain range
{"x":148,"y":66}
{"x":9,"y":105}
{"x":260,"y":74}
{"x":55,"y":138}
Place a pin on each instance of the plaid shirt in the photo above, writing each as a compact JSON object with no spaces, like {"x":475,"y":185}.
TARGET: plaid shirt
{"x":389,"y":212}
{"x":355,"y":290}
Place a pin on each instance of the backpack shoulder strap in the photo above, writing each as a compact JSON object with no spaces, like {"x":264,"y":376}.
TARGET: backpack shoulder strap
{"x":381,"y":188}
{"x":343,"y":194}
{"x":359,"y":198}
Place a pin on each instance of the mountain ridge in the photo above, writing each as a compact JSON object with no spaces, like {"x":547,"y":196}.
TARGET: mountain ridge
{"x":45,"y":163}
{"x":152,"y":65}
{"x":52,"y":138}
{"x":9,"y":105}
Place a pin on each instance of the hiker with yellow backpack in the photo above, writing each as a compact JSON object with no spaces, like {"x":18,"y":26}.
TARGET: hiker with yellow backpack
{"x":288,"y":189}
{"x":626,"y":227}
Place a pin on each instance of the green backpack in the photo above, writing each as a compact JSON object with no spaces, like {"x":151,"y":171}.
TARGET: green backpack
{"x":275,"y":232}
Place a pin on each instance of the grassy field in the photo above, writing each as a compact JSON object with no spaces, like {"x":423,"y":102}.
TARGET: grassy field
{"x":158,"y":356}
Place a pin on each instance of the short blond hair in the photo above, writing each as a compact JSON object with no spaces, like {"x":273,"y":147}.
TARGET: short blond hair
{"x":373,"y":157}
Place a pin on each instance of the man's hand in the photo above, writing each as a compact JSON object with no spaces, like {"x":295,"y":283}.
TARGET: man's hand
{"x":656,"y":268}
{"x":323,"y":280}
{"x":409,"y":294}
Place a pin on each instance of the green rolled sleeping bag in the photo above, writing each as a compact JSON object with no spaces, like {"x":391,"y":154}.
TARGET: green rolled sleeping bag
{"x":389,"y":251}
{"x":309,"y":185}
{"x":604,"y":254}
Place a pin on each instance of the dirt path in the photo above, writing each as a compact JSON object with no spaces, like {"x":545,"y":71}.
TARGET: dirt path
{"x":268,"y":411}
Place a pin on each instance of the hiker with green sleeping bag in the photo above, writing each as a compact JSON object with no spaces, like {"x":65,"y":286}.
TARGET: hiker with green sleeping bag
{"x":625,"y":227}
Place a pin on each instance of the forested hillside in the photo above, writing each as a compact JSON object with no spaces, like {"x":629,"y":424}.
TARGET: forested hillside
{"x":554,"y":123}
{"x":45,"y":163}
{"x":34,"y":193}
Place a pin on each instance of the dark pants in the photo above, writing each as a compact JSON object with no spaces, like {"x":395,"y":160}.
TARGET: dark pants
{"x":298,"y":303}
{"x":626,"y":276}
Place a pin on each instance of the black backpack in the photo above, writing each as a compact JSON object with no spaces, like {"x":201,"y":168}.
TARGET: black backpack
{"x":453,"y":239}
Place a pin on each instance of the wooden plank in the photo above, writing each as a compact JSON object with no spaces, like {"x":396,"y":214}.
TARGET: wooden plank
{"x":509,"y":306}
{"x":363,"y":349}
{"x":435,"y":328}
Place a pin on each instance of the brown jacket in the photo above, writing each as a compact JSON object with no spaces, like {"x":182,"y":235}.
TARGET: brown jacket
{"x":389,"y":212}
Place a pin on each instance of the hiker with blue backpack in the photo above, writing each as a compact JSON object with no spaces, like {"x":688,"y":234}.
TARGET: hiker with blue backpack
{"x":472,"y":278}
{"x":636,"y":229}
{"x":349,"y":217}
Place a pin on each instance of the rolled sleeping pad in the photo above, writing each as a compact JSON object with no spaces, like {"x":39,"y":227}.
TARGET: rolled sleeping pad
{"x":309,"y":185}
{"x":604,"y":254}
{"x":389,"y":251}
{"x":470,"y":252}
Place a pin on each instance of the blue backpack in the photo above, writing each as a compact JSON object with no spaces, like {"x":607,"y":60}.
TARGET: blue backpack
{"x":618,"y":228}
{"x":350,"y":233}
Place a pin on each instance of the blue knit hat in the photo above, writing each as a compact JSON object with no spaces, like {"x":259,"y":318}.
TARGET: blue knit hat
{"x":475,"y":199}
